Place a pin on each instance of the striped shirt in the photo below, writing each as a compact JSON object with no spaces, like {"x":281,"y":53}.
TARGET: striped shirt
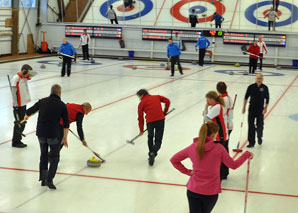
{"x":262,"y":46}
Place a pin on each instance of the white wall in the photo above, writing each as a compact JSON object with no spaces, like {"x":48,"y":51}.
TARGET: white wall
{"x":157,"y":49}
{"x":5,"y":41}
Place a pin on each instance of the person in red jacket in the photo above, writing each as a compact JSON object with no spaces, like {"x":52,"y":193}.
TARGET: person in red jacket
{"x":253,"y":59}
{"x":76,"y":114}
{"x":204,"y":185}
{"x":155,"y":119}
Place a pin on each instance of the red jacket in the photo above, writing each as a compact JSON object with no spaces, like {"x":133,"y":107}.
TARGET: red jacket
{"x":254,"y":50}
{"x":151,"y":105}
{"x":73,"y":110}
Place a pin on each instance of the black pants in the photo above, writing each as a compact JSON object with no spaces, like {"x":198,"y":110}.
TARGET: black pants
{"x":202,"y":53}
{"x":271,"y":23}
{"x":253,"y":65}
{"x":174,"y":60}
{"x":201,"y":203}
{"x":217,"y":25}
{"x":114,"y":20}
{"x":155,"y":131}
{"x":19,"y":114}
{"x":53,"y":155}
{"x":275,"y":6}
{"x":261,"y":60}
{"x":193,"y":24}
{"x":66,"y":61}
{"x":85,"y":50}
{"x":224,"y":170}
{"x":253,"y":128}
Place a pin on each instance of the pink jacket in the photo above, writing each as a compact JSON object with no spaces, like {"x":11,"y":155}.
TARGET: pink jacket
{"x":206,"y":177}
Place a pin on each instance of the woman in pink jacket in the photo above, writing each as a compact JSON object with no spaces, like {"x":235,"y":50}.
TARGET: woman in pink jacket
{"x":204,"y":186}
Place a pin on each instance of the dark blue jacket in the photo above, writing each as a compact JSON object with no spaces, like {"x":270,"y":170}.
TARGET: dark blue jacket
{"x":218,"y":18}
{"x":67,"y":49}
{"x":203,"y":43}
{"x":173,"y":50}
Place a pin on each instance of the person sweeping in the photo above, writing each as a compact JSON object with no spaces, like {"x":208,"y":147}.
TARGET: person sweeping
{"x":206,"y":156}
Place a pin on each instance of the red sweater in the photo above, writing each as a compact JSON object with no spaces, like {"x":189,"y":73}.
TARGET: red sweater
{"x":73,"y":110}
{"x":254,"y":50}
{"x":151,"y":105}
{"x":206,"y":177}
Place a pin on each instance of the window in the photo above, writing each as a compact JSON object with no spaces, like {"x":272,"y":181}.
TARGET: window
{"x":28,"y":3}
{"x":5,"y":3}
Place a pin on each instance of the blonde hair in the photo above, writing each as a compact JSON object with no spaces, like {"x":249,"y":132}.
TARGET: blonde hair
{"x":216,"y":97}
{"x":207,"y":129}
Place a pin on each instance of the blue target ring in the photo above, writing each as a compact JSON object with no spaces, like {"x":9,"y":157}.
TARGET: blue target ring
{"x":249,"y":14}
{"x":148,"y":7}
{"x":294,"y":117}
{"x":198,"y":9}
{"x":241,"y":72}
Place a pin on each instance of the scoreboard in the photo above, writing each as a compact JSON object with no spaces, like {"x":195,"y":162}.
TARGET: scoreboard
{"x":185,"y":35}
{"x":107,"y":32}
{"x":94,"y":31}
{"x":156,"y":34}
{"x":77,"y":31}
{"x":277,"y":40}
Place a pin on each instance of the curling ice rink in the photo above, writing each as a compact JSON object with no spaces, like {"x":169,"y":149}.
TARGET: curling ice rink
{"x":125,"y":183}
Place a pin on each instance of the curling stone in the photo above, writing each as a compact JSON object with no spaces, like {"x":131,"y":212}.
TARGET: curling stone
{"x":212,"y":1}
{"x":176,"y":67}
{"x":120,"y":59}
{"x":194,"y":63}
{"x":92,"y":61}
{"x":134,"y":67}
{"x":162,"y":65}
{"x":245,"y":73}
{"x":278,"y":67}
{"x":237,"y":64}
{"x":42,"y":66}
{"x":231,"y":73}
{"x":204,"y":14}
{"x":93,"y":162}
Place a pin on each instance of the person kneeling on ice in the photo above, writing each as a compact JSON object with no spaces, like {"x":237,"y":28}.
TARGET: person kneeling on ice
{"x":173,"y":54}
{"x":155,"y":118}
{"x":204,"y":184}
{"x":76,"y":114}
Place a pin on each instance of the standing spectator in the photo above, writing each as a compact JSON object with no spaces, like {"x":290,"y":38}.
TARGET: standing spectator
{"x":51,"y":110}
{"x":263,"y":48}
{"x":76,"y":114}
{"x":271,"y":18}
{"x":21,"y":97}
{"x":203,"y":43}
{"x":218,"y":19}
{"x":216,"y":114}
{"x":193,"y":18}
{"x":275,"y":5}
{"x":84,"y":42}
{"x":68,"y":52}
{"x":155,"y":118}
{"x":112,"y":15}
{"x":206,"y":156}
{"x":177,"y":40}
{"x":256,"y":111}
{"x":254,"y":49}
{"x":173,"y":53}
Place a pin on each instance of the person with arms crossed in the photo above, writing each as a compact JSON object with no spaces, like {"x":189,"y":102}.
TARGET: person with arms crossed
{"x":206,"y":156}
{"x":258,"y":93}
{"x":51,"y":110}
{"x":263,"y":48}
{"x":84,"y":43}
{"x":155,"y":119}
{"x":271,"y":18}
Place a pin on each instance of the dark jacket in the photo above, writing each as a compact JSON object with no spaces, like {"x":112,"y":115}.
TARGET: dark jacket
{"x":51,"y":110}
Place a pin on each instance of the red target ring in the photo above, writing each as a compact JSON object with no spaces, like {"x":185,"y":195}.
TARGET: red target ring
{"x":121,"y":8}
{"x":175,"y":10}
{"x":279,"y":13}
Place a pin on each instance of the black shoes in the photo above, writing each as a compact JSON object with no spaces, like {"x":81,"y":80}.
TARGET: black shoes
{"x":181,"y":73}
{"x":43,"y":183}
{"x":19,"y":144}
{"x":250,"y":146}
{"x":223,"y":177}
{"x":260,"y":141}
{"x":171,"y":75}
{"x":50,"y":184}
{"x":151,"y":159}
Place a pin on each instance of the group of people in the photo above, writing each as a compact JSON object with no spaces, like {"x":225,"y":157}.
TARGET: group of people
{"x":53,"y":122}
{"x":209,"y":152}
{"x":194,"y":20}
